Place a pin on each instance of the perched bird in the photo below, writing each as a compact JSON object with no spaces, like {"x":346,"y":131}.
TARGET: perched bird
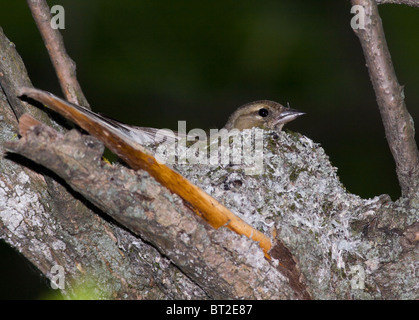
{"x":262,"y":113}
{"x":125,"y":141}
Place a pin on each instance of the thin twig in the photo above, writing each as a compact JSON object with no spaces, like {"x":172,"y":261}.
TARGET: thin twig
{"x":64,"y":66}
{"x":398,"y":123}
{"x":412,"y":3}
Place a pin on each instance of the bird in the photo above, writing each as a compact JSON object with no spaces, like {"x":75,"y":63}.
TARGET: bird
{"x":265,"y":114}
{"x":126,"y":142}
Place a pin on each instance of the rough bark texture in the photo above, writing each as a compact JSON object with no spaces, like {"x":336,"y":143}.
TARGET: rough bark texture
{"x":342,"y":246}
{"x":122,"y":234}
{"x":234,"y":264}
{"x":50,"y":225}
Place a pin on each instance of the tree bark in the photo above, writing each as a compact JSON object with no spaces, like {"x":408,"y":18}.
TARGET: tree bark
{"x":51,"y":225}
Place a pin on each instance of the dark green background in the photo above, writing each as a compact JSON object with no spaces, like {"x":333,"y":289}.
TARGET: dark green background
{"x":152,"y":63}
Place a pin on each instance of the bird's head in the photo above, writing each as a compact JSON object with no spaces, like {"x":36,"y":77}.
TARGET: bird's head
{"x":263,"y":114}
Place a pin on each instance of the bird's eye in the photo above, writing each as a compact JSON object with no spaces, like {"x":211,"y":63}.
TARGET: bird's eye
{"x":263,"y":112}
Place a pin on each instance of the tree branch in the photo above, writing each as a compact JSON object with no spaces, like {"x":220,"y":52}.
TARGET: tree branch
{"x":235,"y":264}
{"x":65,"y":67}
{"x":398,"y":123}
{"x":328,"y":244}
{"x":51,"y":226}
{"x":137,"y":158}
{"x":12,"y":76}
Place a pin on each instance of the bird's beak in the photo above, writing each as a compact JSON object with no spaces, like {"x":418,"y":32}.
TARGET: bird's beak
{"x":288,"y":115}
